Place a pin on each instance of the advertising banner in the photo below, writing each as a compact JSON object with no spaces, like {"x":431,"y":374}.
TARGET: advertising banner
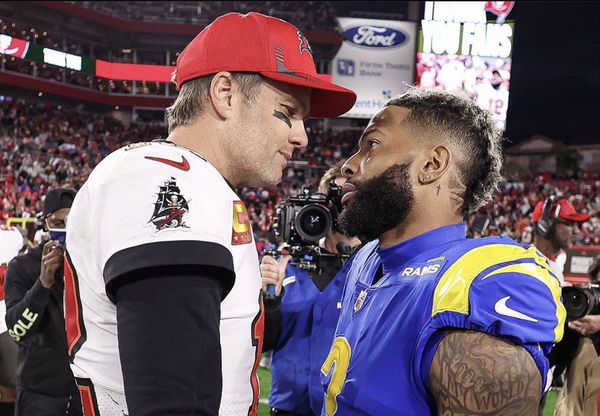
{"x":376,"y":60}
{"x":467,"y":47}
{"x":13,"y":46}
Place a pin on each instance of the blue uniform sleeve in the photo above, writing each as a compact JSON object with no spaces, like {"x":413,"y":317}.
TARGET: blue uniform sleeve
{"x":513,"y":296}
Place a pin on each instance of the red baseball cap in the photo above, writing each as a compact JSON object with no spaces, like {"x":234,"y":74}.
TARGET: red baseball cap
{"x":269,"y":46}
{"x":566,"y":212}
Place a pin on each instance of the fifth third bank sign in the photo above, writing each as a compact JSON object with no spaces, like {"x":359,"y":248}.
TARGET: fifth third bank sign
{"x":377,"y":60}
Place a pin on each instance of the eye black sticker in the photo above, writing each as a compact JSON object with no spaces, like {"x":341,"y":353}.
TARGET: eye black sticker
{"x":282,"y":117}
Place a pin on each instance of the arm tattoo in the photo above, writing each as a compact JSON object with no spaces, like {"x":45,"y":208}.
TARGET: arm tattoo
{"x":282,"y":117}
{"x":477,"y":374}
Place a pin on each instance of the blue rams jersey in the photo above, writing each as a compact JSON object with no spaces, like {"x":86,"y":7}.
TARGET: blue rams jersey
{"x":308,"y":321}
{"x":389,"y":331}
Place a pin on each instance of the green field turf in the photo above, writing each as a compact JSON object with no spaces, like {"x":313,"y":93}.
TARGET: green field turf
{"x":264,"y":376}
{"x":265,"y":385}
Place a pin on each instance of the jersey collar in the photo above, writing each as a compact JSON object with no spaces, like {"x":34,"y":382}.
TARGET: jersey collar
{"x":405,"y":251}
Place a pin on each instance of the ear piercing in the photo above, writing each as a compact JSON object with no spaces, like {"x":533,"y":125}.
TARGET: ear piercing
{"x":425,"y":178}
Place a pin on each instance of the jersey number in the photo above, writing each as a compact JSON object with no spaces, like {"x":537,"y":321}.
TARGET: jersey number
{"x":337,"y":362}
{"x":496,"y":106}
{"x":258,"y":329}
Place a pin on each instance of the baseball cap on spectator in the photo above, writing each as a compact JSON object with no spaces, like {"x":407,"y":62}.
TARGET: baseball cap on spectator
{"x":58,"y":198}
{"x":266,"y":45}
{"x":567,"y":211}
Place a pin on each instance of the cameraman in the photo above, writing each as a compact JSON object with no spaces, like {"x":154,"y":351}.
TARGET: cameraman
{"x":35,"y":319}
{"x":579,"y":352}
{"x":556,"y":223}
{"x":301,"y":320}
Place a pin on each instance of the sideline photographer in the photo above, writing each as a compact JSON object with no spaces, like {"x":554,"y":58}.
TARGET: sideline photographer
{"x":580,"y":348}
{"x":556,"y":223}
{"x":300,"y":320}
{"x":35,"y":319}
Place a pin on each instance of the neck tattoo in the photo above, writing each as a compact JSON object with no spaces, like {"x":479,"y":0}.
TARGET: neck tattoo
{"x":282,"y":117}
{"x":438,"y":189}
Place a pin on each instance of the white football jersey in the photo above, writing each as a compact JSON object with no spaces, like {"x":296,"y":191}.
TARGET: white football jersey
{"x":159,"y":192}
{"x":495,"y":101}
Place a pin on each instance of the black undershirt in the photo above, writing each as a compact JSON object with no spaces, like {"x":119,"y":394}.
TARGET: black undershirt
{"x":168,"y":328}
{"x":378,"y":274}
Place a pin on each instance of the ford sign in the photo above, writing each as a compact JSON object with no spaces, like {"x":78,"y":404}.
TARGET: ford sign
{"x":371,"y":36}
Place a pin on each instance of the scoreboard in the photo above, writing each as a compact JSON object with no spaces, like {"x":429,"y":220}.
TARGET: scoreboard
{"x":466,"y":47}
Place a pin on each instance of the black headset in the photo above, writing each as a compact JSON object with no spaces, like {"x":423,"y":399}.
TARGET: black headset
{"x":546,"y":224}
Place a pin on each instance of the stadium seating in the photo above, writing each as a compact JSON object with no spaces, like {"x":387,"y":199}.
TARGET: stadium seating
{"x":46,"y":145}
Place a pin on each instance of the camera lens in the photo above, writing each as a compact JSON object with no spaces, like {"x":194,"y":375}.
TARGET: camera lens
{"x":576,"y":302}
{"x":313,"y":222}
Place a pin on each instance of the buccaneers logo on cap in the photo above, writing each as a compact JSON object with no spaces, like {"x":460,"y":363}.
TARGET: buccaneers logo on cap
{"x":170,"y":207}
{"x":304,"y":45}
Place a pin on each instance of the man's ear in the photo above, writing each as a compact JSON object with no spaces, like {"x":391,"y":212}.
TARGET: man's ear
{"x":221,"y":94}
{"x":434,"y":164}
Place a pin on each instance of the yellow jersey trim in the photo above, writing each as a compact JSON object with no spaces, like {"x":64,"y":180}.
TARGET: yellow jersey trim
{"x":452,"y":291}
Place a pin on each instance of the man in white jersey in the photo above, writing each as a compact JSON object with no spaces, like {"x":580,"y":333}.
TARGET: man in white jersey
{"x":492,"y":95}
{"x":162,"y":283}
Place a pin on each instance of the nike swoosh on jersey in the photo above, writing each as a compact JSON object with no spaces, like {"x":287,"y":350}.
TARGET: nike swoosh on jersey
{"x":501,"y":309}
{"x":183,"y":165}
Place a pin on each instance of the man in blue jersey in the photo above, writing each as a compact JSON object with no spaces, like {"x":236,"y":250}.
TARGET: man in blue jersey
{"x":301,"y":320}
{"x":434,"y":323}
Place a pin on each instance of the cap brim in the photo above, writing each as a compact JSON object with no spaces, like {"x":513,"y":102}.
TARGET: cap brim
{"x":578,"y":217}
{"x":327,"y":99}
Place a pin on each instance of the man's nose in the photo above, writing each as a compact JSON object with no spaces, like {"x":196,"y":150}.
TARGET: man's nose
{"x":298,"y":137}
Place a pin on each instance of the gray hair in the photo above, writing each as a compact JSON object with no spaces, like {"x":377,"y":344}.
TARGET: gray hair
{"x":193,"y":96}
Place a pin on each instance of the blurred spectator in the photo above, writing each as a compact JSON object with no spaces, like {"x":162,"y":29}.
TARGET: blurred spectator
{"x":44,"y":145}
{"x":579,"y":351}
{"x":35,"y":317}
{"x":556,"y":225}
{"x":306,"y":15}
{"x":11,"y":243}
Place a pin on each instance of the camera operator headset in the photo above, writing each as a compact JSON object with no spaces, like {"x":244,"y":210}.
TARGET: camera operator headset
{"x":556,"y":222}
{"x":580,"y":348}
{"x":300,"y":320}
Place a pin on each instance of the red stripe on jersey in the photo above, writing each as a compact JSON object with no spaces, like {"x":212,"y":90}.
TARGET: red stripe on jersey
{"x":73,"y":319}
{"x":87,"y":401}
{"x":258,"y":331}
{"x":3,"y":267}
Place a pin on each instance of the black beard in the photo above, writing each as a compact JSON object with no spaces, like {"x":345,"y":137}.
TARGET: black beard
{"x":379,"y":204}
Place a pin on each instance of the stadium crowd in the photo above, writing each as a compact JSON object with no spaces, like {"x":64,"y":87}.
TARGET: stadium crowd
{"x":309,"y":16}
{"x":47,"y":145}
{"x":306,"y":15}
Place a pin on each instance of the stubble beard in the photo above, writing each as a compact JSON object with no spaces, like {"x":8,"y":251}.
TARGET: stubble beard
{"x":254,"y":167}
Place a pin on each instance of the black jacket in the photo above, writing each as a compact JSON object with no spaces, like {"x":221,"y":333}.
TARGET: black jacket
{"x":42,"y":361}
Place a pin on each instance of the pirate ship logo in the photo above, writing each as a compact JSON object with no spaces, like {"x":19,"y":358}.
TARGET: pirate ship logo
{"x":170,"y":207}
